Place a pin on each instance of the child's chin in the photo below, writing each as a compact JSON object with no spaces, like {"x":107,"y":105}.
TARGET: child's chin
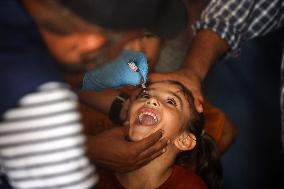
{"x":138,"y":133}
{"x":137,"y":136}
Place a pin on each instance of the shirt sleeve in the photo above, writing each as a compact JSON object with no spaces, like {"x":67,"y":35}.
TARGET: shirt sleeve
{"x":41,"y":141}
{"x":239,"y":20}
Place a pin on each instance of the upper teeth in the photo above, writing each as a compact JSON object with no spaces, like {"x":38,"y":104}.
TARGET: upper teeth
{"x":149,"y":114}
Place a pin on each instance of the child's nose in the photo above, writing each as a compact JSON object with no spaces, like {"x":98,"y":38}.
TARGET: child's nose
{"x":153,"y":102}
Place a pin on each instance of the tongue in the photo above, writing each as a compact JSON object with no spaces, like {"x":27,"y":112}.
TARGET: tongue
{"x":147,"y":120}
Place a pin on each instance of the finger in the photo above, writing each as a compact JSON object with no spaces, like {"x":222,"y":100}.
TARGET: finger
{"x":124,"y":130}
{"x":198,"y":101}
{"x":198,"y":105}
{"x":152,"y":152}
{"x":154,"y":149}
{"x":148,"y":141}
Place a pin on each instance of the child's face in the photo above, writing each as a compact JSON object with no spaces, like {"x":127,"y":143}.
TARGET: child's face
{"x":163,"y":106}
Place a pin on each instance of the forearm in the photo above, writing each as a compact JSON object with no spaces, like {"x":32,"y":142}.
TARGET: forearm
{"x":101,"y":101}
{"x":228,"y":136}
{"x":207,"y":47}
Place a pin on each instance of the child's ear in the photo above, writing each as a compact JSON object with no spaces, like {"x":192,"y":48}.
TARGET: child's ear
{"x":185,"y":141}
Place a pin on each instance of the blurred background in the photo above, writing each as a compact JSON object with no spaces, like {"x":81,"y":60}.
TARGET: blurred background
{"x":247,"y":89}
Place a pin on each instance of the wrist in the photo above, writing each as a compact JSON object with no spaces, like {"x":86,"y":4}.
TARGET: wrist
{"x":192,"y":73}
{"x":116,"y":110}
{"x":214,"y":46}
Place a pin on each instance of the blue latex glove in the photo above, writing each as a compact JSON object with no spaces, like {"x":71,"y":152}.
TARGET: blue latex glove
{"x":118,"y":72}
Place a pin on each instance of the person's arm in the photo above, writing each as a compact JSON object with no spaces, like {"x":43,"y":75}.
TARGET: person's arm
{"x":228,"y":136}
{"x":223,"y":26}
{"x":219,"y":126}
{"x":100,"y":101}
{"x":111,"y":102}
{"x":206,"y":48}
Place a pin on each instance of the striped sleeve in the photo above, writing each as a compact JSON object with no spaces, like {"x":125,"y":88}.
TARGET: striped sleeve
{"x":41,"y":142}
{"x":239,"y":20}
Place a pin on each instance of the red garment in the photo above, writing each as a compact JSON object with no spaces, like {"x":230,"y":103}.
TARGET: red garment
{"x":180,"y":178}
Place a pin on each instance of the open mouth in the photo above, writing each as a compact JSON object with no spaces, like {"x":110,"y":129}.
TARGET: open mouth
{"x":148,"y":117}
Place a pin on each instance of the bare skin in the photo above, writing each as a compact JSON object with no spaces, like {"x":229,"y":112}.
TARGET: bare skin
{"x":207,"y":47}
{"x":172,"y":115}
{"x":84,"y":41}
{"x":124,"y":155}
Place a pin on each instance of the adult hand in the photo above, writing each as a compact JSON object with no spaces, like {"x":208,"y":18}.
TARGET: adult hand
{"x":190,"y":81}
{"x":110,"y":149}
{"x":118,"y":73}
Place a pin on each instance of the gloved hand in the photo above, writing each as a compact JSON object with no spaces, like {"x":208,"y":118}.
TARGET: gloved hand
{"x":118,"y":73}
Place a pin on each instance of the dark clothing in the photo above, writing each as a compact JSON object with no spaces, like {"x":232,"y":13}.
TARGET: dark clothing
{"x":239,"y":21}
{"x":41,"y":144}
{"x":25,"y":61}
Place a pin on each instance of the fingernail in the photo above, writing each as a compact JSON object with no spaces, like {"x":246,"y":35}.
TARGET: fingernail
{"x":164,"y":150}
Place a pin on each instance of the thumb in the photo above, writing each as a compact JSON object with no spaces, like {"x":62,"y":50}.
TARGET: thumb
{"x":198,"y":105}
